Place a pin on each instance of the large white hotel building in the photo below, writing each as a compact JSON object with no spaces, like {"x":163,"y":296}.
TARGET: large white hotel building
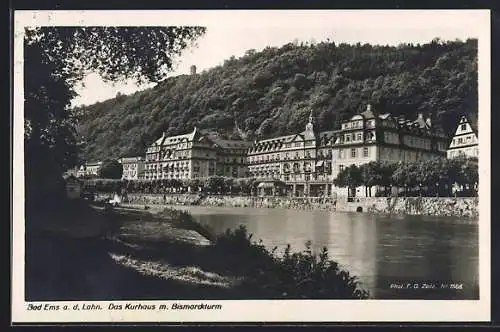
{"x":306,"y":162}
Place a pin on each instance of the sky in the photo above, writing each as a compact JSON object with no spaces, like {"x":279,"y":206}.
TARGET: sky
{"x":234,"y":32}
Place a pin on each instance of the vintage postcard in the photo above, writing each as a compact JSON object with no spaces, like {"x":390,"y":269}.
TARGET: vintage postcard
{"x":251,"y":166}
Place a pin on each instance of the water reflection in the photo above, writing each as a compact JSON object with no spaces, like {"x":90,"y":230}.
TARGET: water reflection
{"x":380,"y":250}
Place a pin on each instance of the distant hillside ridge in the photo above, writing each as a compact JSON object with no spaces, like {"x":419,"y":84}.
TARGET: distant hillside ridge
{"x":271,"y":93}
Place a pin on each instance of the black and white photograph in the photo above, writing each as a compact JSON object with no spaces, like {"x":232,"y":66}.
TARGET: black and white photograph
{"x":251,"y":165}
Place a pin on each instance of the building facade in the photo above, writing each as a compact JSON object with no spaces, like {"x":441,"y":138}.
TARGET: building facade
{"x":465,"y":141}
{"x":133,"y":168}
{"x":370,"y":136}
{"x":90,"y":169}
{"x":302,"y":161}
{"x":231,"y":157}
{"x":195,"y":155}
{"x":308,"y":162}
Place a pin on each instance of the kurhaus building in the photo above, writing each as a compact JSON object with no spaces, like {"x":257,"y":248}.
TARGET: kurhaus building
{"x":195,"y":155}
{"x":370,"y":136}
{"x":302,"y":161}
{"x":306,"y":163}
{"x":309,"y":161}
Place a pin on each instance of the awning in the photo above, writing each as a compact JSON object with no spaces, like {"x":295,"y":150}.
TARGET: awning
{"x":319,"y":163}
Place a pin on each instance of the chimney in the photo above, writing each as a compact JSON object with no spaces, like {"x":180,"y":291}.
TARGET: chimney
{"x":193,"y":70}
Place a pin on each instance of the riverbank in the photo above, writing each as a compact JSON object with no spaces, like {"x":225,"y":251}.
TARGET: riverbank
{"x":164,"y":256}
{"x":463,"y":207}
{"x":119,"y":248}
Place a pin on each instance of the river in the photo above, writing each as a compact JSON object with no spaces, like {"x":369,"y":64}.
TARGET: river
{"x":394,"y":257}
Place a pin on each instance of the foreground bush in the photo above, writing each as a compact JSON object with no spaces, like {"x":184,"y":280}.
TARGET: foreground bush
{"x":267,"y":274}
{"x":291,"y":275}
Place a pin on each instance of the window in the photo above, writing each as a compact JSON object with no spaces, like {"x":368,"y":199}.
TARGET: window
{"x":359,"y":137}
{"x":348,"y":137}
{"x":365,"y":152}
{"x":353,"y":153}
{"x":463,"y":126}
{"x":468,"y":139}
{"x":341,"y":168}
{"x":460,"y":140}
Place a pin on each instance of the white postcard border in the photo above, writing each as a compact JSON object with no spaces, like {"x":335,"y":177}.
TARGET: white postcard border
{"x":251,"y":310}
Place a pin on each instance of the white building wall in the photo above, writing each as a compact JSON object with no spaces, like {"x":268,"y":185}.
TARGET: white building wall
{"x":342,"y":157}
{"x":465,"y":141}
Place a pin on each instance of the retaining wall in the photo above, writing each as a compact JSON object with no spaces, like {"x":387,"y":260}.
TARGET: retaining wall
{"x":439,"y":206}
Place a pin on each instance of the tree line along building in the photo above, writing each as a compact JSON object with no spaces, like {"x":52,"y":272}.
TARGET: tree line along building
{"x":305,"y":163}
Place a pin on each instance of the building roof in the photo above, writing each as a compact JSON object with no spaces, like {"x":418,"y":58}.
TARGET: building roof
{"x":327,"y":135}
{"x":130,"y":160}
{"x":177,"y":138}
{"x":283,"y":139}
{"x":229,"y":144}
{"x":473,"y":122}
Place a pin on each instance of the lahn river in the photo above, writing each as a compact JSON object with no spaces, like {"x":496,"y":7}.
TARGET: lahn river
{"x":391,"y":255}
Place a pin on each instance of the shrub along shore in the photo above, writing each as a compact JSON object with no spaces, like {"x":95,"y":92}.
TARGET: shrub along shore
{"x":164,"y":256}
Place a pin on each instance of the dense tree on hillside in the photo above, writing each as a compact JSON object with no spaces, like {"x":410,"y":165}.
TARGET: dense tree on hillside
{"x":271,"y":93}
{"x":57,"y":58}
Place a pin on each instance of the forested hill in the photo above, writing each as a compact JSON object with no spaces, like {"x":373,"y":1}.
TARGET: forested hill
{"x":271,"y":93}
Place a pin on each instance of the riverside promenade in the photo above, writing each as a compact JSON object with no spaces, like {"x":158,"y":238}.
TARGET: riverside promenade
{"x":463,"y":207}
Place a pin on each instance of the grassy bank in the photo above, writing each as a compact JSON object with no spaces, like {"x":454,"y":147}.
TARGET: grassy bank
{"x":144,"y":255}
{"x":245,"y":266}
